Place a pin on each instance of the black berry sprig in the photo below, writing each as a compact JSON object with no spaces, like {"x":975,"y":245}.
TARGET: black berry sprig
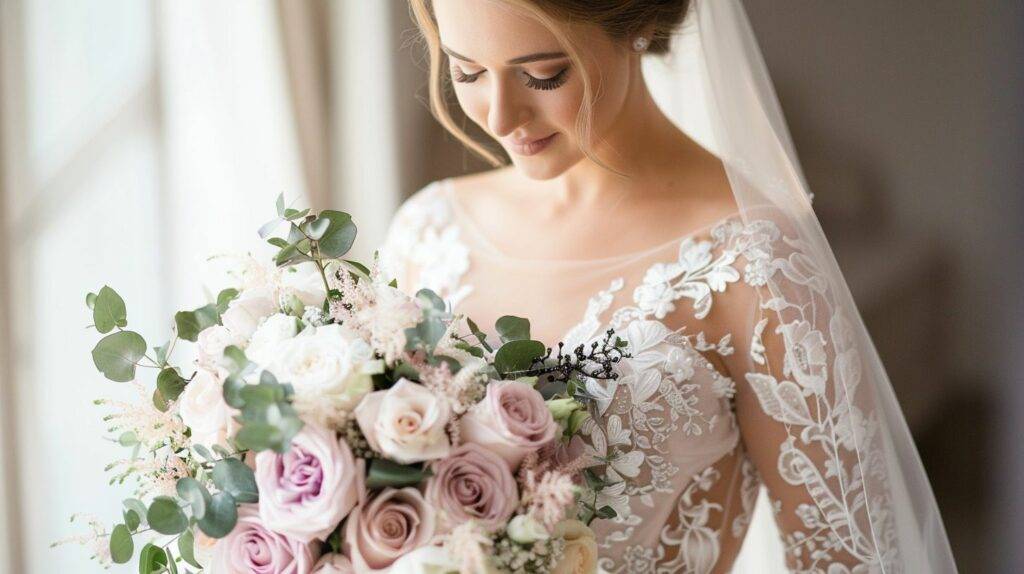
{"x":596,"y":363}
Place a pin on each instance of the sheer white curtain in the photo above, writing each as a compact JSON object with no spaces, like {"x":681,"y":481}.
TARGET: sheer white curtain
{"x":137,"y":138}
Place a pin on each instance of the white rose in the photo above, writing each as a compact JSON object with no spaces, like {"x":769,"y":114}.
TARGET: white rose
{"x":245,"y":311}
{"x":303,"y":281}
{"x":406,"y":422}
{"x":202,"y":408}
{"x":580,"y":553}
{"x":269,"y":335}
{"x":329,"y":367}
{"x":426,"y":560}
{"x":526,"y":529}
{"x":211,"y":343}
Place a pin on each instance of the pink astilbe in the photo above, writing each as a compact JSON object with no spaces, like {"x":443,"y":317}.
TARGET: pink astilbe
{"x":470,"y":546}
{"x":156,"y":475}
{"x":378,"y":312}
{"x":547,"y":494}
{"x":97,"y":539}
{"x":151,"y":427}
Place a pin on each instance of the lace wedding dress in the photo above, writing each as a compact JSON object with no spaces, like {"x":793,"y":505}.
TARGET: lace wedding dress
{"x":727,"y":387}
{"x":751,"y":369}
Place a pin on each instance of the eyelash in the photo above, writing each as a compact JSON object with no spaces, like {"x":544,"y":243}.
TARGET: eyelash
{"x":551,"y":83}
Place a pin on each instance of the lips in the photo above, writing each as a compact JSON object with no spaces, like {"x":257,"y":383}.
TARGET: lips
{"x":532,"y":147}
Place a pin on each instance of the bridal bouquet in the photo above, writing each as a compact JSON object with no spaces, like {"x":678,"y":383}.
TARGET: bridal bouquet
{"x":330,"y":423}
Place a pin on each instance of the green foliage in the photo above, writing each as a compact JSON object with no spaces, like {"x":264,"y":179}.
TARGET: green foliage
{"x":268,"y":419}
{"x":338,"y":237}
{"x":513,"y":328}
{"x":121,"y":545}
{"x":193,"y":492}
{"x":224,"y":298}
{"x":117,"y":355}
{"x":170,"y":384}
{"x":186,"y":548}
{"x":234,"y":477}
{"x":108,"y":310}
{"x":517,"y":356}
{"x":220,"y":517}
{"x":384,"y":473}
{"x":166,"y":517}
{"x":152,"y":559}
{"x":190,"y":323}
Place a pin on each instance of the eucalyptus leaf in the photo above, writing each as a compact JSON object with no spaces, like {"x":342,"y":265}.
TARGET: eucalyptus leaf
{"x":117,"y":354}
{"x":193,"y":492}
{"x":190,"y":323}
{"x":131,"y":519}
{"x":384,"y":473}
{"x":152,"y":559}
{"x":340,"y":235}
{"x":267,"y":228}
{"x":221,"y":516}
{"x":166,"y":517}
{"x":234,"y":477}
{"x":90,"y":300}
{"x":433,"y":300}
{"x":121,"y":545}
{"x":315,"y":229}
{"x":161,"y":353}
{"x":108,"y":310}
{"x":512,"y":328}
{"x":187,"y":548}
{"x":480,"y":336}
{"x":517,"y":356}
{"x":224,"y":298}
{"x":170,"y":384}
{"x":136,"y":506}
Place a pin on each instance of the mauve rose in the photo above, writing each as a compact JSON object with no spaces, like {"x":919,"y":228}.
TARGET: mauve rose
{"x":251,"y":548}
{"x":407,"y":422}
{"x":383,"y":528}
{"x":307,"y":491}
{"x":473,"y":483}
{"x":333,"y":564}
{"x":512,"y":420}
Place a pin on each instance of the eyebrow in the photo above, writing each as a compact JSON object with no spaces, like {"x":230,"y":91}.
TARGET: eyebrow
{"x":520,"y":60}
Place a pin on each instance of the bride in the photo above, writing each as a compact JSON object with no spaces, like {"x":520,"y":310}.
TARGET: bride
{"x":683,"y":222}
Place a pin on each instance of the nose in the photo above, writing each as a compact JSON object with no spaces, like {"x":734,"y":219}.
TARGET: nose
{"x":506,"y":112}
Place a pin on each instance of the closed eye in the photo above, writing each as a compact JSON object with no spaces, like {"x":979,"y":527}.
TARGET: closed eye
{"x":551,"y":83}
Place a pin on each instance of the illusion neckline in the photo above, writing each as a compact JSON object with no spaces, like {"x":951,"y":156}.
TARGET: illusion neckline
{"x":465,"y":222}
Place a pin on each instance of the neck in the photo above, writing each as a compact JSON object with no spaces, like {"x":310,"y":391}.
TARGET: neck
{"x":643,"y":143}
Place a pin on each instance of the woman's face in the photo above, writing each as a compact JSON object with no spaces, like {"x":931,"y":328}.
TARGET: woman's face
{"x":514,"y":80}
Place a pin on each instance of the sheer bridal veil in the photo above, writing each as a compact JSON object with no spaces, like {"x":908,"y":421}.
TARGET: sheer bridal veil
{"x":869,"y":485}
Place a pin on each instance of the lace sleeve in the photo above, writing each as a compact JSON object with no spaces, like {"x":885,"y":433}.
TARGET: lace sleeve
{"x":807,"y":423}
{"x":422,"y":248}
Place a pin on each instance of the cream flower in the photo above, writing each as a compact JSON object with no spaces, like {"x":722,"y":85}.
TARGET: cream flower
{"x":580,"y":553}
{"x":406,"y":422}
{"x":202,"y":408}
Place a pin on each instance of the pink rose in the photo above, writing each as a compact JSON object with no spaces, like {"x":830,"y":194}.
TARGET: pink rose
{"x":307,"y":491}
{"x":383,"y":528}
{"x":406,"y":422}
{"x":203,"y":410}
{"x":473,"y":483}
{"x":333,"y":564}
{"x":251,"y":548}
{"x":512,"y":420}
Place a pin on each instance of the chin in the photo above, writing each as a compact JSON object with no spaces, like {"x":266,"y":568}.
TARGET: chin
{"x":542,"y":168}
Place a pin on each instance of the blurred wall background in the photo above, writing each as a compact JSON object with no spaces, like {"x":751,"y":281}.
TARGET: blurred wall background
{"x":137,"y":137}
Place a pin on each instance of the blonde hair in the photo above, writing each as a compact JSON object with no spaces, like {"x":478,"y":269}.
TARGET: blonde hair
{"x":620,"y":19}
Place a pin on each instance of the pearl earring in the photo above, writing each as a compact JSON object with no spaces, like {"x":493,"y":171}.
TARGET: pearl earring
{"x":640,"y":44}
